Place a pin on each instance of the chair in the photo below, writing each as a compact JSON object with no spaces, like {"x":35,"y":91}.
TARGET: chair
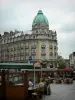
{"x":35,"y":96}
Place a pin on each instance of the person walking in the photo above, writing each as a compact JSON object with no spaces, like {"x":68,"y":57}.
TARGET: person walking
{"x":41,"y":88}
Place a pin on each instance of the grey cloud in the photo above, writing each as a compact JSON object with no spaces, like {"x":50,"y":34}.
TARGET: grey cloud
{"x":19,"y":14}
{"x":66,"y":47}
{"x":68,"y":28}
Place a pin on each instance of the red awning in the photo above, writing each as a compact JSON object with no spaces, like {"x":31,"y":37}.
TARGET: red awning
{"x":65,"y":69}
{"x":44,"y":67}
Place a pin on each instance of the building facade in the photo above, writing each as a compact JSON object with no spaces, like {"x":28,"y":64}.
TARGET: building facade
{"x":38,"y":44}
{"x":72,"y":60}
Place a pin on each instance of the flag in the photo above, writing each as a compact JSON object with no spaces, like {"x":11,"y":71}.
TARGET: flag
{"x":37,"y":64}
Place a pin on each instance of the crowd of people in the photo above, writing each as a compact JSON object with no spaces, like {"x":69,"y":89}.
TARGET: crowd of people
{"x":43,"y":87}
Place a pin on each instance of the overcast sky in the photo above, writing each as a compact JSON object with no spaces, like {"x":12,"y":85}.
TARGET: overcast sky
{"x":19,"y":14}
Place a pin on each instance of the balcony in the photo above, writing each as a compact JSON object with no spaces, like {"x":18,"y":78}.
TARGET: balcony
{"x":21,"y":47}
{"x":27,"y":53}
{"x":26,"y":46}
{"x":33,"y":46}
{"x":33,"y":53}
{"x":43,"y":46}
{"x":18,"y":48}
{"x":12,"y":40}
{"x":51,"y":47}
{"x":55,"y":47}
{"x":43,"y":53}
{"x":21,"y":54}
{"x":51,"y":53}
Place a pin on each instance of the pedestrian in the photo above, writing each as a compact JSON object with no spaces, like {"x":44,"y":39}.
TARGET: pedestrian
{"x":30,"y":83}
{"x":41,"y":88}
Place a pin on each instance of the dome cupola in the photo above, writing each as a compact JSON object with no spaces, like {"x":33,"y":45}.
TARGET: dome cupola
{"x":39,"y":18}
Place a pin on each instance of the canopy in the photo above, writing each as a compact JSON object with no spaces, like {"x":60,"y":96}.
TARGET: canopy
{"x":17,"y":66}
{"x":65,"y":69}
{"x":37,"y":64}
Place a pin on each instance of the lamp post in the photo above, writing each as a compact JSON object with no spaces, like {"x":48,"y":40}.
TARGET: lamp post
{"x":41,"y":71}
{"x":37,"y":64}
{"x":34,"y":75}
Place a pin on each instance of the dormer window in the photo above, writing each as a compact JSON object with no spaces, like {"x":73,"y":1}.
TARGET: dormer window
{"x":34,"y":37}
{"x":36,"y":31}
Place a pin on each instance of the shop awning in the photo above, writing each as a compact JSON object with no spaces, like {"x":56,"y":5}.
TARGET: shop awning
{"x":65,"y":69}
{"x":17,"y":66}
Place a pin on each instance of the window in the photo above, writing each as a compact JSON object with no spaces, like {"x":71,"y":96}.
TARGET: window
{"x":22,"y":44}
{"x":8,"y":40}
{"x":34,"y":37}
{"x":43,"y":54}
{"x":21,"y":51}
{"x":21,"y":47}
{"x":27,"y":53}
{"x":18,"y":48}
{"x":18,"y":54}
{"x":55,"y":47}
{"x":15,"y":55}
{"x":26,"y":45}
{"x":21,"y":54}
{"x":33,"y":50}
{"x":51,"y":47}
{"x":22,"y":37}
{"x":33,"y":45}
{"x":51,"y":53}
{"x":43,"y":51}
{"x":51,"y":65}
{"x":11,"y":56}
{"x":14,"y":49}
{"x":43,"y":57}
{"x":11,"y":39}
{"x":55,"y":54}
{"x":18,"y":37}
{"x":21,"y":57}
{"x":37,"y":31}
{"x":15,"y":39}
{"x":27,"y":57}
{"x":26,"y":50}
{"x":33,"y":57}
{"x":43,"y":44}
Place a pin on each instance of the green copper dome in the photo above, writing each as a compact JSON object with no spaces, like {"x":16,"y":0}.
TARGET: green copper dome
{"x":40,"y":17}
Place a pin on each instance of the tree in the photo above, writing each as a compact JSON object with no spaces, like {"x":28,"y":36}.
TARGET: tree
{"x":61,"y":63}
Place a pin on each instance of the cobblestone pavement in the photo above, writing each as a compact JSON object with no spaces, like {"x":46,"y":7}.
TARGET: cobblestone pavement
{"x":62,"y":92}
